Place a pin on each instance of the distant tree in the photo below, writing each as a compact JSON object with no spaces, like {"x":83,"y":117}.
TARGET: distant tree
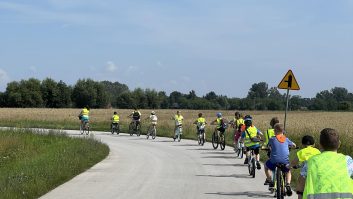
{"x":211,"y":96}
{"x":91,"y":93}
{"x":258,"y":90}
{"x":2,"y":99}
{"x":64,"y":97}
{"x":26,"y":93}
{"x":339,"y":93}
{"x":125,"y":100}
{"x":50,"y":93}
{"x":163,"y":98}
{"x":192,"y":95}
{"x":114,"y":89}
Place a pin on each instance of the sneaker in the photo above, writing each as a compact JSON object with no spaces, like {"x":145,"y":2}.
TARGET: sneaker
{"x":288,"y":190}
{"x":267,"y":182}
{"x":258,"y":165}
{"x":246,"y":161}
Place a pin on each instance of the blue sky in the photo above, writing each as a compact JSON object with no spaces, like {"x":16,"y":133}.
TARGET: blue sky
{"x":205,"y":45}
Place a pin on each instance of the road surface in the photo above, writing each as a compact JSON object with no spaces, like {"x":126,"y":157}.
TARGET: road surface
{"x":161,"y":168}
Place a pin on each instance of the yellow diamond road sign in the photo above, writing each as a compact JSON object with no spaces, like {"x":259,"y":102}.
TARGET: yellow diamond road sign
{"x":289,"y":82}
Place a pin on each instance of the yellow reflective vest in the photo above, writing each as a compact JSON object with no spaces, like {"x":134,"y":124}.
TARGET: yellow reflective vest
{"x":85,"y":111}
{"x":252,"y":131}
{"x":115,"y":118}
{"x":268,"y":134}
{"x":306,"y":153}
{"x":328,"y":177}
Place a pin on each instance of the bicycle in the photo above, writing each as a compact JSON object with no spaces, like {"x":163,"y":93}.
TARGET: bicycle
{"x":239,"y":149}
{"x":252,"y":163}
{"x":84,"y":127}
{"x":218,"y":138}
{"x":115,"y":128}
{"x":152,"y":131}
{"x":279,"y":180}
{"x":178,"y":132}
{"x":201,"y":135}
{"x":134,"y":128}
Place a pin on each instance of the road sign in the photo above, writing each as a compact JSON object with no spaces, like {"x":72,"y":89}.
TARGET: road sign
{"x":289,"y":82}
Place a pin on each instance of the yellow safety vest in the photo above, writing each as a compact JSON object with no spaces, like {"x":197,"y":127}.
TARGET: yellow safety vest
{"x":179,"y":119}
{"x":115,"y":118}
{"x":268,"y":134}
{"x":306,"y":153}
{"x":239,"y":122}
{"x":253,"y":133}
{"x":201,"y":120}
{"x":85,"y":111}
{"x":328,"y":177}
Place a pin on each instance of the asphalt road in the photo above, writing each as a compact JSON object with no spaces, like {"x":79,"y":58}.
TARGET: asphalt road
{"x":161,"y":168}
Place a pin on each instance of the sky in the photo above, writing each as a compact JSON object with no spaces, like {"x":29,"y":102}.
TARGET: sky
{"x":223,"y":46}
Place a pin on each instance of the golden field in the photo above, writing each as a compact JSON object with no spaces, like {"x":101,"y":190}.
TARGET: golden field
{"x":298,"y":123}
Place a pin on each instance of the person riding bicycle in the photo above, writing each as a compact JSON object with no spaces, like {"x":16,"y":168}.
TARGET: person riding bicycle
{"x":136,"y":117}
{"x":238,"y":125}
{"x":115,"y":119}
{"x":304,"y":155}
{"x":279,"y":146}
{"x":221,"y":123}
{"x":250,"y":136}
{"x":84,"y":115}
{"x":201,"y":121}
{"x":153,"y":118}
{"x":178,"y":118}
{"x":270,"y":133}
{"x":329,"y":174}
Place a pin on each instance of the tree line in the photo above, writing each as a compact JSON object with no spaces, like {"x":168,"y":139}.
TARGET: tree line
{"x":104,"y":94}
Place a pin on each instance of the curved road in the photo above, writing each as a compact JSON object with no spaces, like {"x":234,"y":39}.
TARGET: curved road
{"x":161,"y":168}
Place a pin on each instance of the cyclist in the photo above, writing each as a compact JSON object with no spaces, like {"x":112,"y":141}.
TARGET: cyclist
{"x":268,"y":135}
{"x":136,"y":117}
{"x":279,"y":146}
{"x":329,"y":174}
{"x":84,"y":115}
{"x":238,"y":125}
{"x":250,"y":136}
{"x":115,"y":119}
{"x":201,"y":121}
{"x":303,"y":155}
{"x":221,"y":123}
{"x":178,"y":118}
{"x":153,"y":118}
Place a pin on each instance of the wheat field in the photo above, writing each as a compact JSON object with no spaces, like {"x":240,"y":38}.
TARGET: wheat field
{"x":298,"y":123}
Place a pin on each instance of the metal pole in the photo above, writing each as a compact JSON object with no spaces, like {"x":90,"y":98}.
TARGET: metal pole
{"x":285,"y":114}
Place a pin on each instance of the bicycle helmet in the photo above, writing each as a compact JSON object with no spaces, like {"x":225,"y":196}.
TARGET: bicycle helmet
{"x":247,"y":118}
{"x":153,"y":113}
{"x":219,"y":115}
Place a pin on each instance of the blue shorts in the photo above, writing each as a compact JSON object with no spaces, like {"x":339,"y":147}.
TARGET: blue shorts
{"x":272,"y":166}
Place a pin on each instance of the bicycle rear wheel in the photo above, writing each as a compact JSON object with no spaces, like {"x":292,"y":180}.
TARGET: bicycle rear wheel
{"x":253,"y":167}
{"x":131,"y":129}
{"x":215,"y":140}
{"x":279,"y":184}
{"x":154,"y":132}
{"x":138,"y":130}
{"x":222,"y":142}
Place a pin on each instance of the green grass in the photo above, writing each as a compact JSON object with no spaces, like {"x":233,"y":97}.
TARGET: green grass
{"x":32,"y":164}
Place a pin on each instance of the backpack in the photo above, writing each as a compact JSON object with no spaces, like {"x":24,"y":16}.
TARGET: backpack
{"x":224,"y":125}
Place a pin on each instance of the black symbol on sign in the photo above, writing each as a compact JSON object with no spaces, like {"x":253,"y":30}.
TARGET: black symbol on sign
{"x":289,"y":81}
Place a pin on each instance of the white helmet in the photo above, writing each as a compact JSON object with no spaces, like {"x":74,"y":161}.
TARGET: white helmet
{"x":153,"y":113}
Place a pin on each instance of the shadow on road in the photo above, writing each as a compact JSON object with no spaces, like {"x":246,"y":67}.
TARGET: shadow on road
{"x":201,"y":149}
{"x":223,"y":157}
{"x":225,"y":165}
{"x":186,"y":145}
{"x":218,"y":152}
{"x":227,"y":176}
{"x":253,"y":194}
{"x":163,"y":141}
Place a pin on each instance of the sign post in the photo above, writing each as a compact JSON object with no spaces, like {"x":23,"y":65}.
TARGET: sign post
{"x":290,"y":83}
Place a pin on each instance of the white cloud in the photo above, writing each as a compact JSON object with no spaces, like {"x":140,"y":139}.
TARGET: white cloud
{"x":111,"y":67}
{"x":3,"y":76}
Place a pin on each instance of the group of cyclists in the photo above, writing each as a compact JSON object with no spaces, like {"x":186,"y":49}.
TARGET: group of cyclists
{"x":316,"y":168}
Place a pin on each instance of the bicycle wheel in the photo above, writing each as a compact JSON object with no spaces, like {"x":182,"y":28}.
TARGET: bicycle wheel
{"x":118,"y":129}
{"x":154,"y":132}
{"x":113,"y":129}
{"x":253,"y":167}
{"x":199,"y":138}
{"x":179,"y":137}
{"x":222,"y":142}
{"x":202,"y":139}
{"x":131,"y":128}
{"x":241,"y":152}
{"x":138,"y":130}
{"x":215,"y":140}
{"x":148,"y":134}
{"x":81,"y":129}
{"x":279,"y":184}
{"x":250,"y":165}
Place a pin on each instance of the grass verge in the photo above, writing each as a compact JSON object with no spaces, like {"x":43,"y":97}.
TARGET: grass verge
{"x":31,"y":164}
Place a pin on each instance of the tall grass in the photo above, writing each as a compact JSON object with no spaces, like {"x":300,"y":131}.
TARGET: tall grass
{"x":32,"y":164}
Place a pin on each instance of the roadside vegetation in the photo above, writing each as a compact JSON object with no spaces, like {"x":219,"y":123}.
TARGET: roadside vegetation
{"x":33,"y":163}
{"x":299,"y":123}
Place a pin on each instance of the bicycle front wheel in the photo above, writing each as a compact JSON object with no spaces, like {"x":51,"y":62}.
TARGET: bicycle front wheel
{"x":222,"y":142}
{"x":154,"y":132}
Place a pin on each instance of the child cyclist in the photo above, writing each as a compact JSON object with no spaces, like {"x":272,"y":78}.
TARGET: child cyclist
{"x":200,"y":123}
{"x":279,"y":146}
{"x":303,"y":155}
{"x":115,"y":120}
{"x":238,"y":125}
